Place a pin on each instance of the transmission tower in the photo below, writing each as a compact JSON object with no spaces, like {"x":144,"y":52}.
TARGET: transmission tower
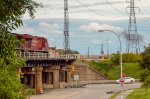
{"x":66,"y":30}
{"x":133,"y":40}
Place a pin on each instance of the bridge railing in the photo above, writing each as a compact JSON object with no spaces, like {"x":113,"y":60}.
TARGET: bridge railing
{"x":38,"y":55}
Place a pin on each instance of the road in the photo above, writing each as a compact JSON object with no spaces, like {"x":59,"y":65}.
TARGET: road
{"x":94,"y":91}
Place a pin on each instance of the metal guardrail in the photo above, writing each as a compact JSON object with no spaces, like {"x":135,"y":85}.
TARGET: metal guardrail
{"x":38,"y":55}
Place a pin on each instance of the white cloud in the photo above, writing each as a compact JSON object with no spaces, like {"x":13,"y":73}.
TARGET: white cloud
{"x":25,"y":29}
{"x":49,"y":26}
{"x":95,"y":41}
{"x":97,"y":10}
{"x":94,"y":27}
{"x":40,"y":29}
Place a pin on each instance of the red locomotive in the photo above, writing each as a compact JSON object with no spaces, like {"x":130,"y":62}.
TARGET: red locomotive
{"x":32,"y":43}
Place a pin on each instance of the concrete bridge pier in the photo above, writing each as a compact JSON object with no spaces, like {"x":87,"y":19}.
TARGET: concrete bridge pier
{"x":49,"y":78}
{"x":65,"y":73}
{"x":69,"y":71}
{"x":38,"y":82}
{"x":56,"y":76}
{"x":32,"y":80}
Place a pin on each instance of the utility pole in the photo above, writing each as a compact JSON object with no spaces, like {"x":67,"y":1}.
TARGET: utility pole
{"x":66,"y":30}
{"x":133,"y":40}
{"x":107,"y":50}
{"x":88,"y":52}
{"x":102,"y":51}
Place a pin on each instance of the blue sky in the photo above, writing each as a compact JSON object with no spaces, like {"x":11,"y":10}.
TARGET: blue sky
{"x":84,"y":23}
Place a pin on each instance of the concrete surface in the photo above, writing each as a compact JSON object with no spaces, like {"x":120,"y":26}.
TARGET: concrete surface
{"x":93,"y":91}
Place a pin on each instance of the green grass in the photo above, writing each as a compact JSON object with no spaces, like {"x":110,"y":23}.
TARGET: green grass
{"x":130,"y":69}
{"x":139,"y":94}
{"x":113,"y":72}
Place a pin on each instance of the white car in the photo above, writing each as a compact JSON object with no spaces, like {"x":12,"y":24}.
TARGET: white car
{"x":127,"y":80}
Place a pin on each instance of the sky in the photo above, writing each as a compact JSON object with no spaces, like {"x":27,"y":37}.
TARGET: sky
{"x":86,"y":17}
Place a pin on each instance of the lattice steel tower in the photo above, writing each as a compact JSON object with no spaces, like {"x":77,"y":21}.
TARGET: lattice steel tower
{"x":66,"y":30}
{"x":133,"y":40}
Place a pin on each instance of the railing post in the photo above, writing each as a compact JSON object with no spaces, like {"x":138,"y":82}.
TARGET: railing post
{"x":29,"y":54}
{"x":38,"y":55}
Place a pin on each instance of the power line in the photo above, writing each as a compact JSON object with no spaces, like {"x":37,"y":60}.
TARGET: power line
{"x":86,"y":6}
{"x":107,"y":2}
{"x":144,"y":8}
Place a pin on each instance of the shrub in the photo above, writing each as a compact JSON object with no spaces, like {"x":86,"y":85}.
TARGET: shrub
{"x":126,"y":58}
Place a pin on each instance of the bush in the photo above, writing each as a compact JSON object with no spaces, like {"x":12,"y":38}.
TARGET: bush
{"x":103,"y":66}
{"x":126,"y":58}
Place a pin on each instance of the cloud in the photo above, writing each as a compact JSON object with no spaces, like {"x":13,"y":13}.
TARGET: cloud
{"x":47,"y":28}
{"x":97,"y":42}
{"x":53,"y":26}
{"x":102,"y":10}
{"x":94,"y":27}
{"x":40,"y":28}
{"x":55,"y":9}
{"x":25,"y":29}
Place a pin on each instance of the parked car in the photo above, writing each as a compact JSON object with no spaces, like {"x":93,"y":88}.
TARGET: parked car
{"x":127,"y":80}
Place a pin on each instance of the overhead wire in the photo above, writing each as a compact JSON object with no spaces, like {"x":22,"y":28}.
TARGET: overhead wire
{"x":144,"y":8}
{"x":84,"y":5}
{"x":107,"y":2}
{"x":142,"y":12}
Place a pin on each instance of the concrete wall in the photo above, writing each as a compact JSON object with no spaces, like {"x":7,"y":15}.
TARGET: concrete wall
{"x":86,"y":73}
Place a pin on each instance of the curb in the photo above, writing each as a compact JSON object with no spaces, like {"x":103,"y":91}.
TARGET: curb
{"x":119,"y":95}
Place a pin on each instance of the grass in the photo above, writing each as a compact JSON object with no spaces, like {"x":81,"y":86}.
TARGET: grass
{"x":140,"y":93}
{"x":130,"y":69}
{"x":113,"y":72}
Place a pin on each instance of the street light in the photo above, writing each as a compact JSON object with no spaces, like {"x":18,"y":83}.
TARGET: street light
{"x":120,"y":58}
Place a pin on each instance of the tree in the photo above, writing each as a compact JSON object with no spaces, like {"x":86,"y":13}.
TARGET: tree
{"x":145,"y":64}
{"x":116,"y":58}
{"x":146,"y":58}
{"x":11,"y":12}
{"x":61,"y":51}
{"x":126,"y":58}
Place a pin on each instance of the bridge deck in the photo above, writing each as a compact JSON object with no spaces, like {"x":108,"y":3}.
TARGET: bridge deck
{"x":34,"y":59}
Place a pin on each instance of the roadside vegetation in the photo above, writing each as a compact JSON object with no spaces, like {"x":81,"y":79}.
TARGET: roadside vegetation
{"x":130,"y":69}
{"x":144,"y":91}
{"x":111,"y":68}
{"x":141,"y":93}
{"x":112,"y":72}
{"x":114,"y":95}
{"x":61,"y":51}
{"x":10,"y":62}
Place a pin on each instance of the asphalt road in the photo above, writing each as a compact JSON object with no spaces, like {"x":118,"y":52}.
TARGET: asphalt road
{"x":94,"y":91}
{"x":100,"y":91}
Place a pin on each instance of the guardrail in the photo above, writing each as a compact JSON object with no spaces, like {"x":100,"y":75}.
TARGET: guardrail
{"x":39,"y":55}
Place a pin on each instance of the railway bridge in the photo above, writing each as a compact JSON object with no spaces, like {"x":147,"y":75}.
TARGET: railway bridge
{"x":42,"y":70}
